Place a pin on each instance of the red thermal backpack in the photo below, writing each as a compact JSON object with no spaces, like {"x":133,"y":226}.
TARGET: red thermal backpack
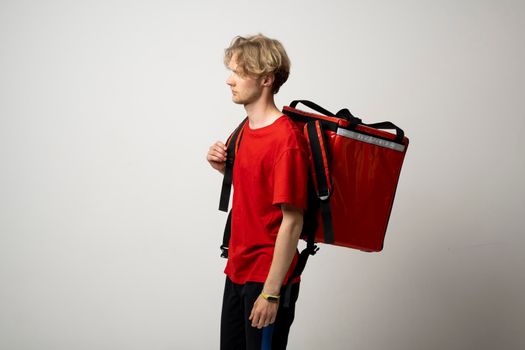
{"x":355,"y":169}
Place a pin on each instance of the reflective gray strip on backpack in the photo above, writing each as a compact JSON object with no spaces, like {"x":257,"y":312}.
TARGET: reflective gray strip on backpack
{"x":370,"y":139}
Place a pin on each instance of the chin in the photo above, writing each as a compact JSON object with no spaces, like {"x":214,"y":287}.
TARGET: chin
{"x":237,"y":101}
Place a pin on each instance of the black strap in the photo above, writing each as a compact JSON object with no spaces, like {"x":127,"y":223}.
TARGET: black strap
{"x":311,"y":249}
{"x":227,"y":184}
{"x":228,"y":170}
{"x":226,"y":236}
{"x":326,"y":215}
{"x":322,"y":177}
{"x":309,"y":227}
{"x":313,"y":106}
{"x":343,"y":113}
{"x":400,"y":134}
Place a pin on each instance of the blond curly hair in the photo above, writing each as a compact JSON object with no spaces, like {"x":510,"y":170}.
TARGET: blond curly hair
{"x":258,"y":55}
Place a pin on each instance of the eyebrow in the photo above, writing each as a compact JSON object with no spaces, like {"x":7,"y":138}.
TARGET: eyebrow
{"x":236,"y":71}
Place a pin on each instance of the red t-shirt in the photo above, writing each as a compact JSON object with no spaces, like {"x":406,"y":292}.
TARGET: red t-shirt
{"x":271,"y":168}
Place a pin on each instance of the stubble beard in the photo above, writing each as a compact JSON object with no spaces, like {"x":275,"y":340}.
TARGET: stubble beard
{"x":240,"y":100}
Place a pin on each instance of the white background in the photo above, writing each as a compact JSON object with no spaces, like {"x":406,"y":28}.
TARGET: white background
{"x":109,"y":228}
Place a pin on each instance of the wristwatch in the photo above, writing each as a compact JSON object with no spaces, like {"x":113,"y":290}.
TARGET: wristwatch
{"x":271,"y":298}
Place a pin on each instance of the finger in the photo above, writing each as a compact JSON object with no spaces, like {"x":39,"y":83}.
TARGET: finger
{"x":217,"y":155}
{"x":218,"y":159}
{"x":268,"y":321}
{"x":255,"y":320}
{"x":262,"y":321}
{"x":220,"y":146}
{"x":219,"y":150}
{"x":211,"y":155}
{"x":215,"y":160}
{"x":258,"y":319}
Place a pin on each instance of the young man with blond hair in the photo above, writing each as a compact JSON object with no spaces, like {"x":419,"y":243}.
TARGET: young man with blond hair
{"x":270,"y":177}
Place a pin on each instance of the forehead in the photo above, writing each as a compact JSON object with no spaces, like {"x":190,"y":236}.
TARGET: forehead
{"x":239,"y":70}
{"x":233,"y":63}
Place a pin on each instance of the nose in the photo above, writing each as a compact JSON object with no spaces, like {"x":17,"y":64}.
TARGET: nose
{"x":230,"y":80}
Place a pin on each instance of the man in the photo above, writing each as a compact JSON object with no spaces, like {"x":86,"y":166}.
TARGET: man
{"x":270,"y":176}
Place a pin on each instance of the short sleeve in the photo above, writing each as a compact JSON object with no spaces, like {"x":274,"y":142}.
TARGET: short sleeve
{"x":291,"y":178}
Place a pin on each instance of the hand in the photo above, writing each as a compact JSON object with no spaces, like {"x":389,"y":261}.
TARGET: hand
{"x":263,"y":312}
{"x":217,"y":156}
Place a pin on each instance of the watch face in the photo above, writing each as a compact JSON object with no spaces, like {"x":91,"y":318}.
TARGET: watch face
{"x":273,"y":299}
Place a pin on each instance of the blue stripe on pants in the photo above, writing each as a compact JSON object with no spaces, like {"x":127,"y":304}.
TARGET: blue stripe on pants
{"x":266,"y":343}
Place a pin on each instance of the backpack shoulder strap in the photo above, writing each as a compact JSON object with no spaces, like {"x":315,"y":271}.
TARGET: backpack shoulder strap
{"x":321,"y":174}
{"x":232,"y":146}
{"x":226,"y":236}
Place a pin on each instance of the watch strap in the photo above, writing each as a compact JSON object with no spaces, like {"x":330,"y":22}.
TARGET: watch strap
{"x":271,"y":298}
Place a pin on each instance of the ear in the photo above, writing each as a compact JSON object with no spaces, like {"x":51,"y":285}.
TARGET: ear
{"x":268,"y":80}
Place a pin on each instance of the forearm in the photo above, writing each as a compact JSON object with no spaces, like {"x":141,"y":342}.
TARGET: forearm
{"x":285,"y":249}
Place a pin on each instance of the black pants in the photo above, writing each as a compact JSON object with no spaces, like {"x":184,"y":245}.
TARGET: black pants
{"x":237,"y":332}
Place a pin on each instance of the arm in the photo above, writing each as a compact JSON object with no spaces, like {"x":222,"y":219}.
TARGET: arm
{"x":264,"y":312}
{"x":285,"y":248}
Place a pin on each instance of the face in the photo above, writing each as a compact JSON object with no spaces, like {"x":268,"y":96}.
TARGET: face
{"x":245,"y":89}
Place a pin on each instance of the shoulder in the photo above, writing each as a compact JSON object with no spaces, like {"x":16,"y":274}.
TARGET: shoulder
{"x":287,"y":123}
{"x":290,"y":140}
{"x":290,"y":134}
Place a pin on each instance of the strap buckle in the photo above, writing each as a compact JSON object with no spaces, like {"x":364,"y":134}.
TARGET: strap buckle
{"x":324,"y":195}
{"x":224,"y":253}
{"x":313,"y":250}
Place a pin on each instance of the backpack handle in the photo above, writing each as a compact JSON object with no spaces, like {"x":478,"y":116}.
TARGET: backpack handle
{"x":343,"y":113}
{"x":313,"y":106}
{"x":400,"y":134}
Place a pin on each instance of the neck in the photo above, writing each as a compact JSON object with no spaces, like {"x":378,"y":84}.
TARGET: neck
{"x":262,"y":112}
